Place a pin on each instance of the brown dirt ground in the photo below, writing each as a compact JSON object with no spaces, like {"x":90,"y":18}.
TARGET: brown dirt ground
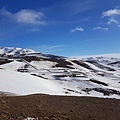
{"x":46,"y":107}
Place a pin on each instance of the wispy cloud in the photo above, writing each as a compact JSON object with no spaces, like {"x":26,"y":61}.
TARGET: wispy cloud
{"x":113,"y":16}
{"x":112,"y":21}
{"x":88,"y":40}
{"x":100,"y":28}
{"x":34,"y":29}
{"x":48,"y":48}
{"x":67,"y":9}
{"x":76,"y":7}
{"x":80,"y":29}
{"x":24,"y":17}
{"x":87,"y":18}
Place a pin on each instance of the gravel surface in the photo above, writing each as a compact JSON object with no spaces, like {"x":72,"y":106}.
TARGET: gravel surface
{"x":46,"y":107}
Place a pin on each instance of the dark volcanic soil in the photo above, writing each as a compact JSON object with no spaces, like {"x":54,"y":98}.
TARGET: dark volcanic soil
{"x":45,"y":107}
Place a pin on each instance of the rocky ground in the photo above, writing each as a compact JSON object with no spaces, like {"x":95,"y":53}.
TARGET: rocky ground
{"x":46,"y":107}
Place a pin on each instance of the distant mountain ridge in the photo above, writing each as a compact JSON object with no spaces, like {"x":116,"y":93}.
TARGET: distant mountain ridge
{"x":102,"y":57}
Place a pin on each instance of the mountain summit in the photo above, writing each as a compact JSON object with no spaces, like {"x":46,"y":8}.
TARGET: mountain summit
{"x":11,"y":51}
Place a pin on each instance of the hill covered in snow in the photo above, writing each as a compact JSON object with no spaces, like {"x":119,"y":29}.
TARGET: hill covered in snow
{"x":25,"y":71}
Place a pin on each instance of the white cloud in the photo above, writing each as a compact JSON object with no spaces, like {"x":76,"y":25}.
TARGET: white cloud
{"x":100,"y":28}
{"x":25,"y":17}
{"x":77,"y":29}
{"x":111,"y":12}
{"x":30,"y":17}
{"x":113,"y":16}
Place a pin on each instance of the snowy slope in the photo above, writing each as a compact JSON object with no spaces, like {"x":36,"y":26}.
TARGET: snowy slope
{"x":34,"y":72}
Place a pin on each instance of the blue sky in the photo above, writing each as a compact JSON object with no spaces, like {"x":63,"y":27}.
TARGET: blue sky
{"x":61,"y":27}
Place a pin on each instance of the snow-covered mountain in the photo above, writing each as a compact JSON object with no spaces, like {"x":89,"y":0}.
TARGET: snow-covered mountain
{"x":25,"y":71}
{"x":11,"y":51}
